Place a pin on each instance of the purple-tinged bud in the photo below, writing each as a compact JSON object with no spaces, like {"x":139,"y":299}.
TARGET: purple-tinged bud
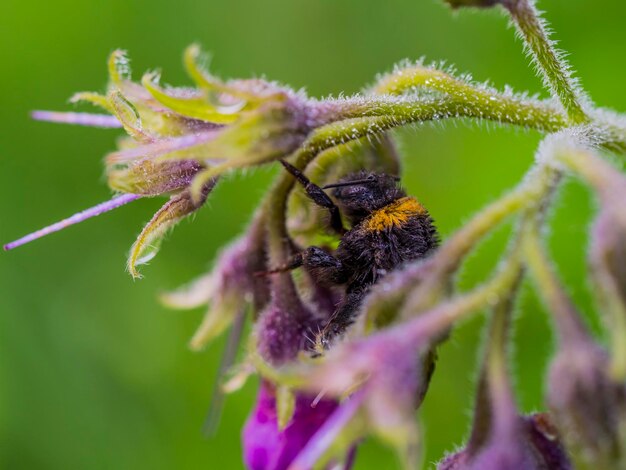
{"x":286,"y":326}
{"x":607,"y":254}
{"x":230,"y":288}
{"x":533,"y":444}
{"x":266,"y":446}
{"x":530,"y":446}
{"x":151,"y":178}
{"x":390,"y":378}
{"x":588,"y":406}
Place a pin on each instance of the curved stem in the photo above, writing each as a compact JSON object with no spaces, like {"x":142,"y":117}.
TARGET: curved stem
{"x":495,"y":372}
{"x":478,"y":101}
{"x":395,"y":112}
{"x":434,"y":322}
{"x":568,"y":322}
{"x":554,"y":70}
{"x":590,"y":167}
{"x":536,"y":184}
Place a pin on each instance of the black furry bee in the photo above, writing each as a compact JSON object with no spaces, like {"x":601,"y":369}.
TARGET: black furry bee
{"x":389,"y":228}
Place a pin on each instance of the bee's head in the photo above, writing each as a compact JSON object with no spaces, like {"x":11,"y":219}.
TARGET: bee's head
{"x":359,"y":194}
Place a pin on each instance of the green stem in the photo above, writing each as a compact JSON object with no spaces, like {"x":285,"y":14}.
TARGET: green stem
{"x":436,"y":321}
{"x":554,"y":70}
{"x":592,"y":169}
{"x":478,"y":105}
{"x":569,"y":324}
{"x":495,"y":369}
{"x":475,"y":101}
{"x":447,"y":259}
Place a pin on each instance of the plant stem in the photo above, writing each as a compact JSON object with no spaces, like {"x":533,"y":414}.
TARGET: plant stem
{"x":554,"y":70}
{"x":569,"y":325}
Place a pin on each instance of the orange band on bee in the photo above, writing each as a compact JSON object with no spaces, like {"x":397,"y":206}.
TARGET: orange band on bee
{"x":395,"y":214}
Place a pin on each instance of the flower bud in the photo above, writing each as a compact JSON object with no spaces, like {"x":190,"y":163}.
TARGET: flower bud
{"x":533,"y":444}
{"x":588,"y":406}
{"x":151,"y":178}
{"x":390,"y":379}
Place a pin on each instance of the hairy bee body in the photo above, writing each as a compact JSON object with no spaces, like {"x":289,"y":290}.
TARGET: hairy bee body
{"x":388,"y":229}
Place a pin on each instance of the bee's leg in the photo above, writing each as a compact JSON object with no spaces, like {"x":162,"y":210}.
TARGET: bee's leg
{"x":318,"y":196}
{"x":294,"y":262}
{"x":323,"y":267}
{"x":343,"y":317}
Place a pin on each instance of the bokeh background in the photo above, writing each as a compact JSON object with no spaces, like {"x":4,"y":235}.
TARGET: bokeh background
{"x":94,"y":373}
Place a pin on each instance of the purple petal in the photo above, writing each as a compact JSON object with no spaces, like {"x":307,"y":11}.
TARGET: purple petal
{"x":327,"y":433}
{"x":268,"y":448}
{"x":76,"y":218}
{"x":81,"y":119}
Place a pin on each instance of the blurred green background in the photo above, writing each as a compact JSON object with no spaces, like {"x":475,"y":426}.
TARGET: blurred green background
{"x":94,"y":373}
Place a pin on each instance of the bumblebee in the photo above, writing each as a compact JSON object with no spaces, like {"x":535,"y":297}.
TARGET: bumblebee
{"x":388,"y":228}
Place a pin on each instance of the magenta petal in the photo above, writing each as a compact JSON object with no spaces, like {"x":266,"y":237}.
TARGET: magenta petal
{"x":268,"y":448}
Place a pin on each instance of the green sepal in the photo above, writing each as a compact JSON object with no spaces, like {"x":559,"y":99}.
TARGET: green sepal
{"x":93,"y":98}
{"x":149,"y":240}
{"x":128,"y":115}
{"x":196,"y":106}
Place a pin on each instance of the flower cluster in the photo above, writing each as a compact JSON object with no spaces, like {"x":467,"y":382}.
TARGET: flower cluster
{"x":317,"y":400}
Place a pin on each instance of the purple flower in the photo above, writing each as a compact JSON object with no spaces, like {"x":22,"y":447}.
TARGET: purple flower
{"x":180,"y":139}
{"x":266,"y":447}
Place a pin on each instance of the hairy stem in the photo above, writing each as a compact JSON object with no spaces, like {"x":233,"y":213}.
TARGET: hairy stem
{"x":554,"y":70}
{"x":434,"y":322}
{"x":496,"y":374}
{"x":478,"y":101}
{"x":569,"y":325}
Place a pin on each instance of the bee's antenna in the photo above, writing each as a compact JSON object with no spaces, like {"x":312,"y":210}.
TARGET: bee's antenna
{"x":369,"y":179}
